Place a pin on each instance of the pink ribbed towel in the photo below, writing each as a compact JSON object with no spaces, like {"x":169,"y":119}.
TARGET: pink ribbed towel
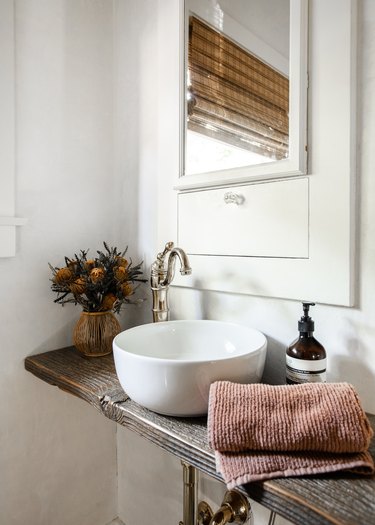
{"x":265,"y":431}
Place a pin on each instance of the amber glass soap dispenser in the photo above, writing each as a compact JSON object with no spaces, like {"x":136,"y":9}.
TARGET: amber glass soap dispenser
{"x":306,"y":358}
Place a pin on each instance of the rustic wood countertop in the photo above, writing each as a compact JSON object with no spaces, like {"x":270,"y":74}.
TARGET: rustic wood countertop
{"x":319,"y":500}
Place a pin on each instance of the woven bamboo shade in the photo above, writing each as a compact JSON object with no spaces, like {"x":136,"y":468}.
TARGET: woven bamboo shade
{"x":235,"y":97}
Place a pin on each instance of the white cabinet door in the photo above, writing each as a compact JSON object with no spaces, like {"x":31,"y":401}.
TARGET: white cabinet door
{"x":257,"y":220}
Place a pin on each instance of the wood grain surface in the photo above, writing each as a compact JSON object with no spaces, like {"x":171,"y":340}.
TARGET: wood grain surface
{"x":336,"y":499}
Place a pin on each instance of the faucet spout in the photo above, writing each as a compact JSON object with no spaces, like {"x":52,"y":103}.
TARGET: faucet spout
{"x":184,"y":265}
{"x":162,"y":274}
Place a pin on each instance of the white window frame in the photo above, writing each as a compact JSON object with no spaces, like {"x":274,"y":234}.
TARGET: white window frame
{"x":296,"y":163}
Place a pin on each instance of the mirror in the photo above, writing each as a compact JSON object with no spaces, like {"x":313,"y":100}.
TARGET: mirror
{"x":243,"y":90}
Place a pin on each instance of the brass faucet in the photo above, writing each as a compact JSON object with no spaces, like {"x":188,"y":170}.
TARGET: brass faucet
{"x":162,"y":273}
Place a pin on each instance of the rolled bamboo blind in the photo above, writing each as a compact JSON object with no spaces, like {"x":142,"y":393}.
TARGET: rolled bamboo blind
{"x":235,"y":97}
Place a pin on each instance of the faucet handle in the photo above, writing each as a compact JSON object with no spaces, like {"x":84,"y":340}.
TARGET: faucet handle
{"x":158,"y":267}
{"x":168,"y":248}
{"x":235,"y":509}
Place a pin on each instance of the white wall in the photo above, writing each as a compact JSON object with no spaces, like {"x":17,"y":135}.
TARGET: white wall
{"x":136,"y":77}
{"x":79,"y":182}
{"x":57,"y":454}
{"x":347,"y":333}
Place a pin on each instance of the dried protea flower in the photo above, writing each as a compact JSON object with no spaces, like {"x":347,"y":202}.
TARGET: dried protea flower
{"x":89,"y":264}
{"x":120,"y":273}
{"x":72,"y":265}
{"x":96,"y":275}
{"x":103,"y":283}
{"x":78,"y":286}
{"x":121,"y":261}
{"x":126,"y":289}
{"x":108,"y":302}
{"x":63,"y":276}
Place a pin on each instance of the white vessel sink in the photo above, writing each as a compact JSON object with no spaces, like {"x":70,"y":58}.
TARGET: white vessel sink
{"x":168,"y":367}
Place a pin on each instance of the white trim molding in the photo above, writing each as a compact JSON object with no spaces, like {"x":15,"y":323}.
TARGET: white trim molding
{"x":8,"y":221}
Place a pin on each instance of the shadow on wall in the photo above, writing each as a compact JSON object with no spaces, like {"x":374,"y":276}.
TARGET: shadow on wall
{"x":352,"y":367}
{"x":200,"y":304}
{"x":207,"y":301}
{"x":274,"y":369}
{"x":59,"y":338}
{"x":140,"y":313}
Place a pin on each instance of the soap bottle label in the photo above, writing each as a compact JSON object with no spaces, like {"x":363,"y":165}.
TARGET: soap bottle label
{"x":305,"y":371}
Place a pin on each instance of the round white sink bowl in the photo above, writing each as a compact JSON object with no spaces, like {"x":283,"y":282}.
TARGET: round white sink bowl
{"x":168,"y":367}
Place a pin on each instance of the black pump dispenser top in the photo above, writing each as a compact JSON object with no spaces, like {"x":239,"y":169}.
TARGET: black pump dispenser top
{"x":306,"y":324}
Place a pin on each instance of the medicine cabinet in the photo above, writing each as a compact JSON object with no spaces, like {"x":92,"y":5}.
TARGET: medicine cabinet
{"x":275,"y":229}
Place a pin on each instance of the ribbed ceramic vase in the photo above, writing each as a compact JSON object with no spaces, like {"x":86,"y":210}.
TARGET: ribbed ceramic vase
{"x":94,"y":333}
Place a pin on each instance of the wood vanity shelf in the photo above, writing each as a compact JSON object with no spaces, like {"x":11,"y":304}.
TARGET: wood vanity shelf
{"x":334,"y":499}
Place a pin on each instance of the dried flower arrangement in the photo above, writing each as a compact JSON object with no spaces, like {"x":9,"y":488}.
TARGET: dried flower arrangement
{"x":102,"y":284}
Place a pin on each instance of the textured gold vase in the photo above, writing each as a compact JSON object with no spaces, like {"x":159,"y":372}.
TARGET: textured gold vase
{"x":94,"y":333}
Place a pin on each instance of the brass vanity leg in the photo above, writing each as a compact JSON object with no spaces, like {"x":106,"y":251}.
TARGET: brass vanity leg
{"x":189,"y":496}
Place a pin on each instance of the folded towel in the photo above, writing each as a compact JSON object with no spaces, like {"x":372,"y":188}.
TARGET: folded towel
{"x":264,"y":431}
{"x":245,"y":467}
{"x":318,"y":416}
